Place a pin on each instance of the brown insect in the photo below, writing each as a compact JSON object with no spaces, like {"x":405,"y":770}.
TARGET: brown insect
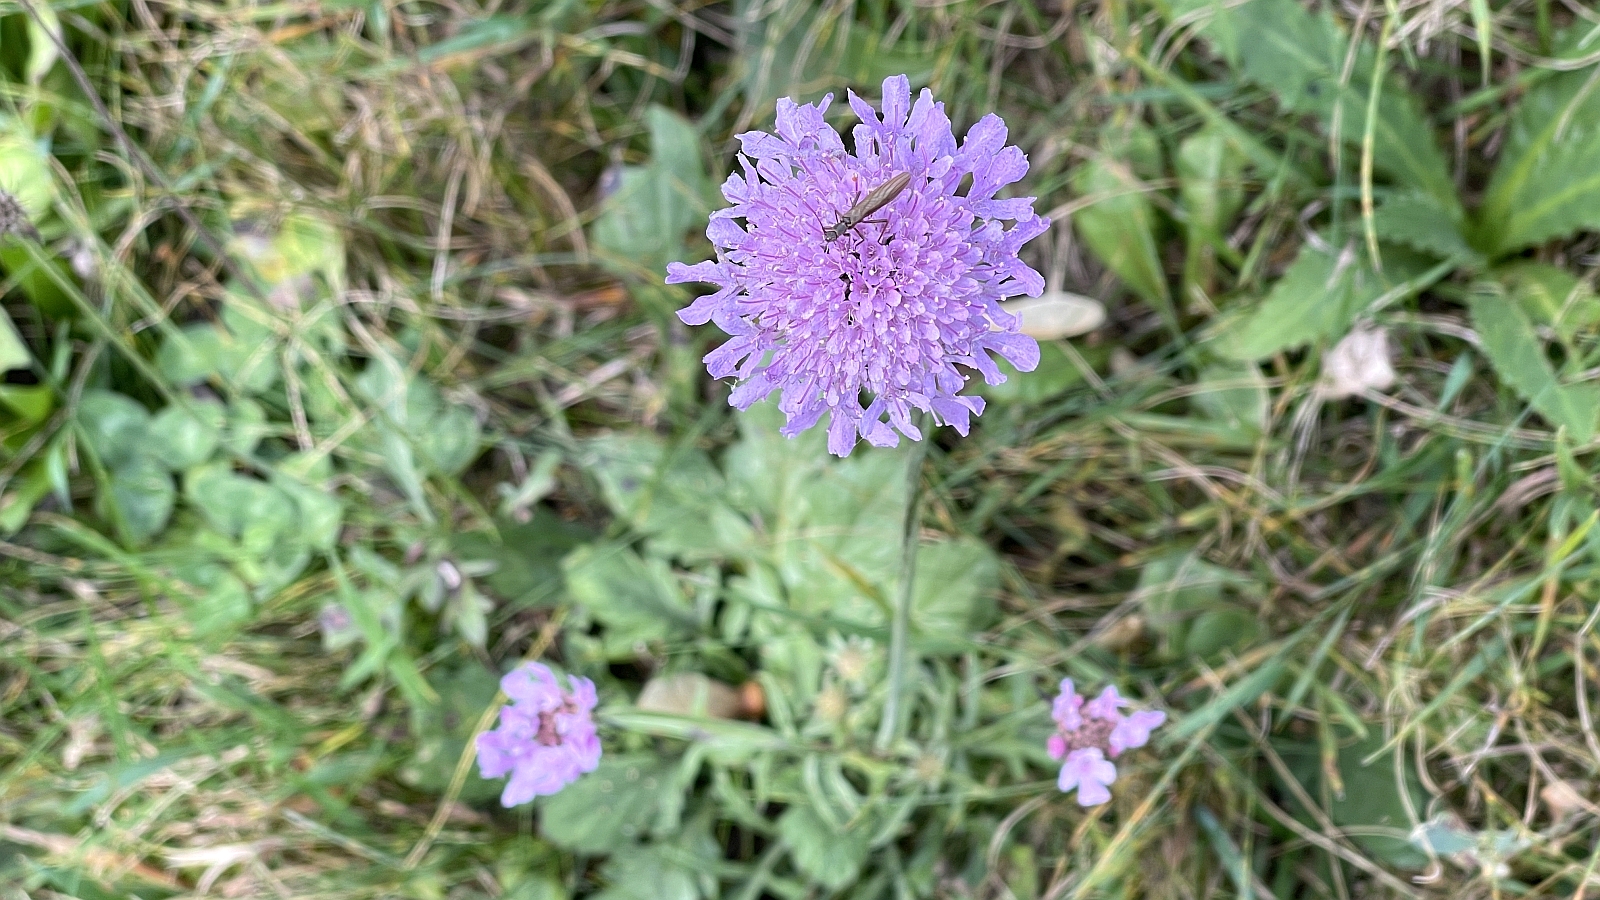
{"x":875,"y":200}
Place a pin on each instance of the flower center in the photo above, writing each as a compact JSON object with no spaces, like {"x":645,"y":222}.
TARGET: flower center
{"x":1092,"y":733}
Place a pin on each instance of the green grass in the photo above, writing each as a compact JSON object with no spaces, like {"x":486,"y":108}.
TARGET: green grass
{"x":343,"y":384}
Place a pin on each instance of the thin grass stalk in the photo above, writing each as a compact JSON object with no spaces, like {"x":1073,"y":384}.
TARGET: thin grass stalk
{"x":891,"y":727}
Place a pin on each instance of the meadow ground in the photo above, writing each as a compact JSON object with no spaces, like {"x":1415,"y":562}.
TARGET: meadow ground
{"x":344,"y":376}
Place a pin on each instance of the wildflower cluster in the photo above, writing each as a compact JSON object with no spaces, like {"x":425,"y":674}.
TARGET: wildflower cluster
{"x":1091,"y":734}
{"x":824,"y":312}
{"x":546,"y":736}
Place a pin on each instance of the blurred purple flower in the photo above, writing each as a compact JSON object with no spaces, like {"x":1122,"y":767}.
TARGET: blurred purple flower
{"x":1088,"y":770}
{"x":1088,"y":735}
{"x":891,"y":306}
{"x":546,"y":738}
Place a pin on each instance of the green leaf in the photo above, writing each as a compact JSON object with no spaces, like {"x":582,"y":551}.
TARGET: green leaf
{"x":1552,"y":296}
{"x":13,"y":352}
{"x":44,"y":29}
{"x":1547,"y":183}
{"x":1299,"y":55}
{"x":1514,"y":349}
{"x":643,"y":223}
{"x":606,"y":810}
{"x":1211,"y":189}
{"x":1234,"y":395}
{"x":1420,"y":221}
{"x":1120,"y":227}
{"x":180,"y":439}
{"x":1185,"y":604}
{"x":32,"y":403}
{"x":674,"y":495}
{"x":25,"y":171}
{"x":222,"y":603}
{"x":953,"y":579}
{"x":1371,"y":803}
{"x":115,"y":428}
{"x":828,"y":857}
{"x":141,"y":496}
{"x":1317,"y":298}
{"x":637,"y":600}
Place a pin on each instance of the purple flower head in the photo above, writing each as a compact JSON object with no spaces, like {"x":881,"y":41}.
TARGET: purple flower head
{"x":888,"y":307}
{"x":545,"y":739}
{"x":1089,"y":735}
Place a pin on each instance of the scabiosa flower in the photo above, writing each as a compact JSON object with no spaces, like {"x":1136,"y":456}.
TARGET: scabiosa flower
{"x":888,"y":308}
{"x":545,"y":739}
{"x":1090,"y":734}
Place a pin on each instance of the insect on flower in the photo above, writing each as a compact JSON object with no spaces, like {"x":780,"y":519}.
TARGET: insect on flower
{"x":876,"y":199}
{"x":867,"y":339}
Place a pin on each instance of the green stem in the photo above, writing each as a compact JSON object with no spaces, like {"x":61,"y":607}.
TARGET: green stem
{"x":892,"y":726}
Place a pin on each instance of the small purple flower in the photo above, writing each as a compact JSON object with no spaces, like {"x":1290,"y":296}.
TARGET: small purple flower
{"x":546,"y":738}
{"x":1088,"y":770}
{"x":889,"y":307}
{"x":1089,"y":735}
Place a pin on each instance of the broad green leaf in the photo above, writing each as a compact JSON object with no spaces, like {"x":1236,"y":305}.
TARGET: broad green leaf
{"x":609,"y":809}
{"x":674,"y":495}
{"x":1316,"y":299}
{"x":644,"y":222}
{"x":1120,"y":227}
{"x":526,"y":556}
{"x":142,"y":496}
{"x":1299,"y":55}
{"x":442,"y":730}
{"x":1420,"y":221}
{"x":201,"y":351}
{"x":221,"y":602}
{"x":677,"y":870}
{"x":954,"y":578}
{"x":1185,"y":602}
{"x":180,"y":439}
{"x":1514,"y":349}
{"x":826,"y":856}
{"x":1547,"y":182}
{"x":32,"y":403}
{"x":115,"y":427}
{"x":636,"y":599}
{"x":1371,"y":806}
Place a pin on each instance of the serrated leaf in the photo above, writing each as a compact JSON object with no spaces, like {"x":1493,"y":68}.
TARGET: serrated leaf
{"x":1514,"y":350}
{"x":1547,"y":183}
{"x":1120,"y":227}
{"x":1420,"y":221}
{"x":1318,"y":297}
